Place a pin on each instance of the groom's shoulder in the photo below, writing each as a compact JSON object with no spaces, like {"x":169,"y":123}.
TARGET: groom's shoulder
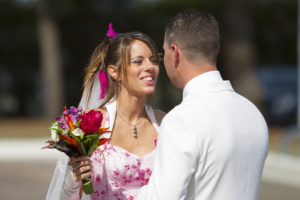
{"x":179,"y":111}
{"x":187,"y":111}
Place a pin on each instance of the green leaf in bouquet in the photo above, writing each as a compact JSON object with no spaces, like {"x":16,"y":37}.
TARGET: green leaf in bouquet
{"x":78,"y":123}
{"x":57,"y":129}
{"x":65,"y":131}
{"x":90,"y":143}
{"x":60,"y":129}
{"x":91,"y":150}
{"x":95,"y":139}
{"x":82,"y":148}
{"x":87,"y":140}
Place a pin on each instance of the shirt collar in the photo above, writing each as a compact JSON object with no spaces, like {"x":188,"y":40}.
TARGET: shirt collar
{"x":200,"y":81}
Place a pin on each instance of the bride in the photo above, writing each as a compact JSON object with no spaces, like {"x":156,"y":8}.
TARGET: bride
{"x":119,"y":82}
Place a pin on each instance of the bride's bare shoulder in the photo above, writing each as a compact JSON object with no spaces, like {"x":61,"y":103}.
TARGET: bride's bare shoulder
{"x":104,"y":113}
{"x":159,"y":115}
{"x":102,"y":109}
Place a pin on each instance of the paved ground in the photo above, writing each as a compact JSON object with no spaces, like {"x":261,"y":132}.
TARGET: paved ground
{"x":26,"y":181}
{"x":273,"y":191}
{"x":29,"y":180}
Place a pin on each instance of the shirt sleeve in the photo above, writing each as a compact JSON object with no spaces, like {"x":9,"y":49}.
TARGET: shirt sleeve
{"x":175,"y":161}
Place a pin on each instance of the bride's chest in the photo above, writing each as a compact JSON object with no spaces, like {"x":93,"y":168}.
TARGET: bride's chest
{"x":120,"y":167}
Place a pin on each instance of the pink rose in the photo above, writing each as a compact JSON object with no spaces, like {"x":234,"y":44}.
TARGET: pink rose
{"x":91,"y":121}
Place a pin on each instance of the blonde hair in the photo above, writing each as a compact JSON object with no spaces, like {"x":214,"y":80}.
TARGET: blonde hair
{"x":114,"y":51}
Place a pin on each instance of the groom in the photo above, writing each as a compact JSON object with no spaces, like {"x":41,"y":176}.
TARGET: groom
{"x":213,"y":145}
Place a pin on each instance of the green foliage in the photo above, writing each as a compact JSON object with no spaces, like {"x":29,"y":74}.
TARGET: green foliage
{"x":89,"y":143}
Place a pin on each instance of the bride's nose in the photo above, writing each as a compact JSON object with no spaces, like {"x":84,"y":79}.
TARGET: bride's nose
{"x":149,"y":66}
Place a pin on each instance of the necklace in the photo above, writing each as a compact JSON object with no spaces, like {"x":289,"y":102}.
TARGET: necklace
{"x":135,"y":133}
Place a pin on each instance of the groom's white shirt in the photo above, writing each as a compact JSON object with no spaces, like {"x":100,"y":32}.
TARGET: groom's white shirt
{"x":212,"y":146}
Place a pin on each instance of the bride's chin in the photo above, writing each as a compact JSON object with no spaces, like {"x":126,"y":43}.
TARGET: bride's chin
{"x":149,"y":92}
{"x":143,"y":92}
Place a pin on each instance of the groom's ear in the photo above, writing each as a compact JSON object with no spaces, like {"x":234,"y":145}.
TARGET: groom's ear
{"x":175,"y":54}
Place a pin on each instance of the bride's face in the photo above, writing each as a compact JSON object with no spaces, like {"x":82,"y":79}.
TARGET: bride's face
{"x":142,"y":71}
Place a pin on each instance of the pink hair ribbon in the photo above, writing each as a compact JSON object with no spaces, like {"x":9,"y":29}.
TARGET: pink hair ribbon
{"x":103,"y":83}
{"x":111,"y":32}
{"x":102,"y":75}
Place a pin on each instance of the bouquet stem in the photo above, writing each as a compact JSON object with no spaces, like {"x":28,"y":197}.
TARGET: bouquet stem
{"x":87,"y":186}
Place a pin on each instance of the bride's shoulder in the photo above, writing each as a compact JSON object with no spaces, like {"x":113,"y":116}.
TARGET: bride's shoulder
{"x":102,"y":109}
{"x":159,"y":115}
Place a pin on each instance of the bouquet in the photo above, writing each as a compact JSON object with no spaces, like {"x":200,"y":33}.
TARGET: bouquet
{"x":77,"y":133}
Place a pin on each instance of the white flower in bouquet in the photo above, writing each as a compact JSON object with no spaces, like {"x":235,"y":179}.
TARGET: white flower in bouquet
{"x":78,"y":132}
{"x":53,"y":129}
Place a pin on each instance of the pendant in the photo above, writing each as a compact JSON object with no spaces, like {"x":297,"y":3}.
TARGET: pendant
{"x":134,"y":131}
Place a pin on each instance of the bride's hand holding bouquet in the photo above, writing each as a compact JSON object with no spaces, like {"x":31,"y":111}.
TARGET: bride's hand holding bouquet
{"x":77,"y":134}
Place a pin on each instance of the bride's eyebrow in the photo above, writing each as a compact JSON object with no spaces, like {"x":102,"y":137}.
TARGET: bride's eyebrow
{"x":137,"y":57}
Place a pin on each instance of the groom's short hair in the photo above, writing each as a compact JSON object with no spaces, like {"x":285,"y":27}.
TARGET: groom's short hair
{"x":196,"y":33}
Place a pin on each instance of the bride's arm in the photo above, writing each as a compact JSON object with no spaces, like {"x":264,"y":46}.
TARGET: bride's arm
{"x":70,"y":188}
{"x":78,"y":168}
{"x":62,"y":186}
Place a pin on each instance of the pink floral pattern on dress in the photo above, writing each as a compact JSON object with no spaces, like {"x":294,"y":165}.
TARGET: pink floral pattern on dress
{"x":120,"y":174}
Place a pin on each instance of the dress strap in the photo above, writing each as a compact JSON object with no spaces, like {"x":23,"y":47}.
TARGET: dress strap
{"x":111,"y":113}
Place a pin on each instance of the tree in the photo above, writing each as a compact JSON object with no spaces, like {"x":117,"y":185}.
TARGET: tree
{"x":50,"y":59}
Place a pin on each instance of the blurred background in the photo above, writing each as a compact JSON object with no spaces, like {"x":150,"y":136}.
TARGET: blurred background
{"x":46,"y":45}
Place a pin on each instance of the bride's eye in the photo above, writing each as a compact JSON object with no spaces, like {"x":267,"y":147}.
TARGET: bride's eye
{"x":137,"y":61}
